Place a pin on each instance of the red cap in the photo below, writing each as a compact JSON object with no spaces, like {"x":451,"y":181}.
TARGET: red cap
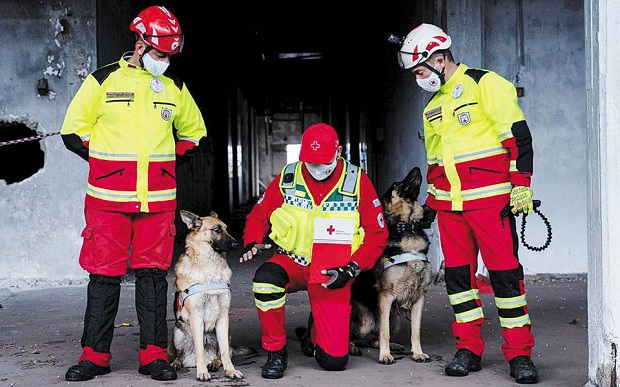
{"x":319,"y":144}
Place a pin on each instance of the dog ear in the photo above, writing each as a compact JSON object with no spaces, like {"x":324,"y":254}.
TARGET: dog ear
{"x":190,"y":219}
{"x":213,"y":214}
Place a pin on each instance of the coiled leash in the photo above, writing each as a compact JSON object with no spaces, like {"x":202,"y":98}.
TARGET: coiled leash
{"x":506,"y":211}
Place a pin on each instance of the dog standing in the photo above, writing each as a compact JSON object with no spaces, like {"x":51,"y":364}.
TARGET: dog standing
{"x":398,"y":282}
{"x":202,"y":299}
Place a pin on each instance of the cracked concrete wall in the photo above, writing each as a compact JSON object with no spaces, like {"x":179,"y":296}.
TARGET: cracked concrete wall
{"x":42,"y":216}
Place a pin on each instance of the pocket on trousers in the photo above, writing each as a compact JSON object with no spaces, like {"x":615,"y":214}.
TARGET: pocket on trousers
{"x":86,"y":254}
{"x":168,"y":246}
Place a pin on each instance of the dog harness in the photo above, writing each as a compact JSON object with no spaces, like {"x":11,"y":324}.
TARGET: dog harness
{"x":200,"y":288}
{"x":402,"y":258}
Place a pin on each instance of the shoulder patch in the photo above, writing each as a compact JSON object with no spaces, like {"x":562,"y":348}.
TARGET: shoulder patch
{"x":376,"y":203}
{"x":103,"y":72}
{"x":476,"y":74}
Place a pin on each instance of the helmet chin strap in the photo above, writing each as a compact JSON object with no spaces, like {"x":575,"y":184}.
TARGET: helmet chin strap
{"x":441,"y":74}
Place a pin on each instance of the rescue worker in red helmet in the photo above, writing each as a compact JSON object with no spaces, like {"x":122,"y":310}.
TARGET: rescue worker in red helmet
{"x":121,"y":121}
{"x":326,"y":220}
{"x":480,"y":158}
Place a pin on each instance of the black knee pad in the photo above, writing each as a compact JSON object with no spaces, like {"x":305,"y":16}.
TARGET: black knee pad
{"x":271,"y":273}
{"x":329,"y":362}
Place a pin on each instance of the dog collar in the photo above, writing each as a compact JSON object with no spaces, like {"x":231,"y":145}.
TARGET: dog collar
{"x":199,"y":288}
{"x":403,"y":257}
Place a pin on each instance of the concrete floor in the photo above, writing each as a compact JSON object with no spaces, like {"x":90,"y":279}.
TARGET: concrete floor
{"x":41,"y":329}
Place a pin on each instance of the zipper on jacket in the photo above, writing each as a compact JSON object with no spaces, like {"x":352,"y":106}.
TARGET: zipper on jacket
{"x":483,"y":169}
{"x":155,"y":103}
{"x":462,"y":106}
{"x":165,"y":172}
{"x":120,"y":100}
{"x":118,"y":171}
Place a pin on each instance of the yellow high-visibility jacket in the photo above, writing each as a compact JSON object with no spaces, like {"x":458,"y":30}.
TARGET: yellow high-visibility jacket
{"x":293,"y":222}
{"x":126,"y":118}
{"x":478,"y":143}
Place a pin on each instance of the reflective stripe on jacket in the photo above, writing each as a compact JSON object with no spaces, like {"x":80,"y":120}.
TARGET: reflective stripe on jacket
{"x":127,"y":117}
{"x":477,"y":141}
{"x":293,"y":222}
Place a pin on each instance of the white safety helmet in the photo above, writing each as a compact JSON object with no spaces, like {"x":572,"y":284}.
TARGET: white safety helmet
{"x":421,"y":43}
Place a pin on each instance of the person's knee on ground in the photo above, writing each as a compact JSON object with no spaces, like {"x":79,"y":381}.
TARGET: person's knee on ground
{"x":329,"y":362}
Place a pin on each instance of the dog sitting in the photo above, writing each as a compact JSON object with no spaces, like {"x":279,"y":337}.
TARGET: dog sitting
{"x":398,"y":282}
{"x":202,"y":299}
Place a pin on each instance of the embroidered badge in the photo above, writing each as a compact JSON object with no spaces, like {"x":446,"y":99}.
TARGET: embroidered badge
{"x":433,"y":113}
{"x":376,"y":202}
{"x":464,"y":118}
{"x":119,"y":94}
{"x":166,"y":114}
{"x":157,"y":85}
{"x":380,"y":220}
{"x":457,"y":91}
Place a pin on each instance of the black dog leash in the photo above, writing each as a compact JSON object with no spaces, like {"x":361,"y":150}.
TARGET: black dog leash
{"x":506,"y":211}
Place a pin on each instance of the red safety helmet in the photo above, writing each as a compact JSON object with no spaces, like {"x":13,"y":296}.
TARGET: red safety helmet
{"x":159,"y":28}
{"x":319,"y":144}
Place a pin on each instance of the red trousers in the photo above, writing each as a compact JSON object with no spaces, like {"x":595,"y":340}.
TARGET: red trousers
{"x":463,"y":235}
{"x":330,"y":308}
{"x":111,"y":239}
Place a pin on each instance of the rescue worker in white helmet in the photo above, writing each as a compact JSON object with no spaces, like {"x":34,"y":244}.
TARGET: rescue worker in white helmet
{"x":131,"y":122}
{"x":480,"y":159}
{"x":326,"y":219}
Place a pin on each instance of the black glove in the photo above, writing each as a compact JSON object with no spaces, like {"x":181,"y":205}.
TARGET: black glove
{"x":341,"y":275}
{"x":253,"y":245}
{"x":248,"y":247}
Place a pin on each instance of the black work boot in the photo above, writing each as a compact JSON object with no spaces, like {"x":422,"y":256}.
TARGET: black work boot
{"x":159,"y":370}
{"x":523,"y":370}
{"x":464,"y":361}
{"x":276,"y":364}
{"x":85,"y":370}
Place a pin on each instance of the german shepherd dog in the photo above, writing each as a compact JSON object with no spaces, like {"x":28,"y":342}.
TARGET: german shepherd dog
{"x":398,"y":282}
{"x":202,"y":299}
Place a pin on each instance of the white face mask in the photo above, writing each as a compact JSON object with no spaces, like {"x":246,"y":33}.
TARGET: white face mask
{"x":431,"y":83}
{"x":321,"y":171}
{"x":155,"y":67}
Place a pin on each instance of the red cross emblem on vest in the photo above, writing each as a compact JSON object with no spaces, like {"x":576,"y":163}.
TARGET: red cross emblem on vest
{"x":315,"y":145}
{"x":331,"y":229}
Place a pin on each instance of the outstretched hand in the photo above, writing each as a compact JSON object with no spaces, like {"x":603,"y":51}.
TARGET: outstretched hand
{"x":252,"y":249}
{"x":340,"y":275}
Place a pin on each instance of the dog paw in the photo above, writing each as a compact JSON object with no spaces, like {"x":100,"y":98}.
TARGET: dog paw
{"x":420,"y":358}
{"x":203,"y":376}
{"x":214,"y":365}
{"x":386,"y":359}
{"x":234,"y":374}
{"x":355,"y":351}
{"x":395,"y":347}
